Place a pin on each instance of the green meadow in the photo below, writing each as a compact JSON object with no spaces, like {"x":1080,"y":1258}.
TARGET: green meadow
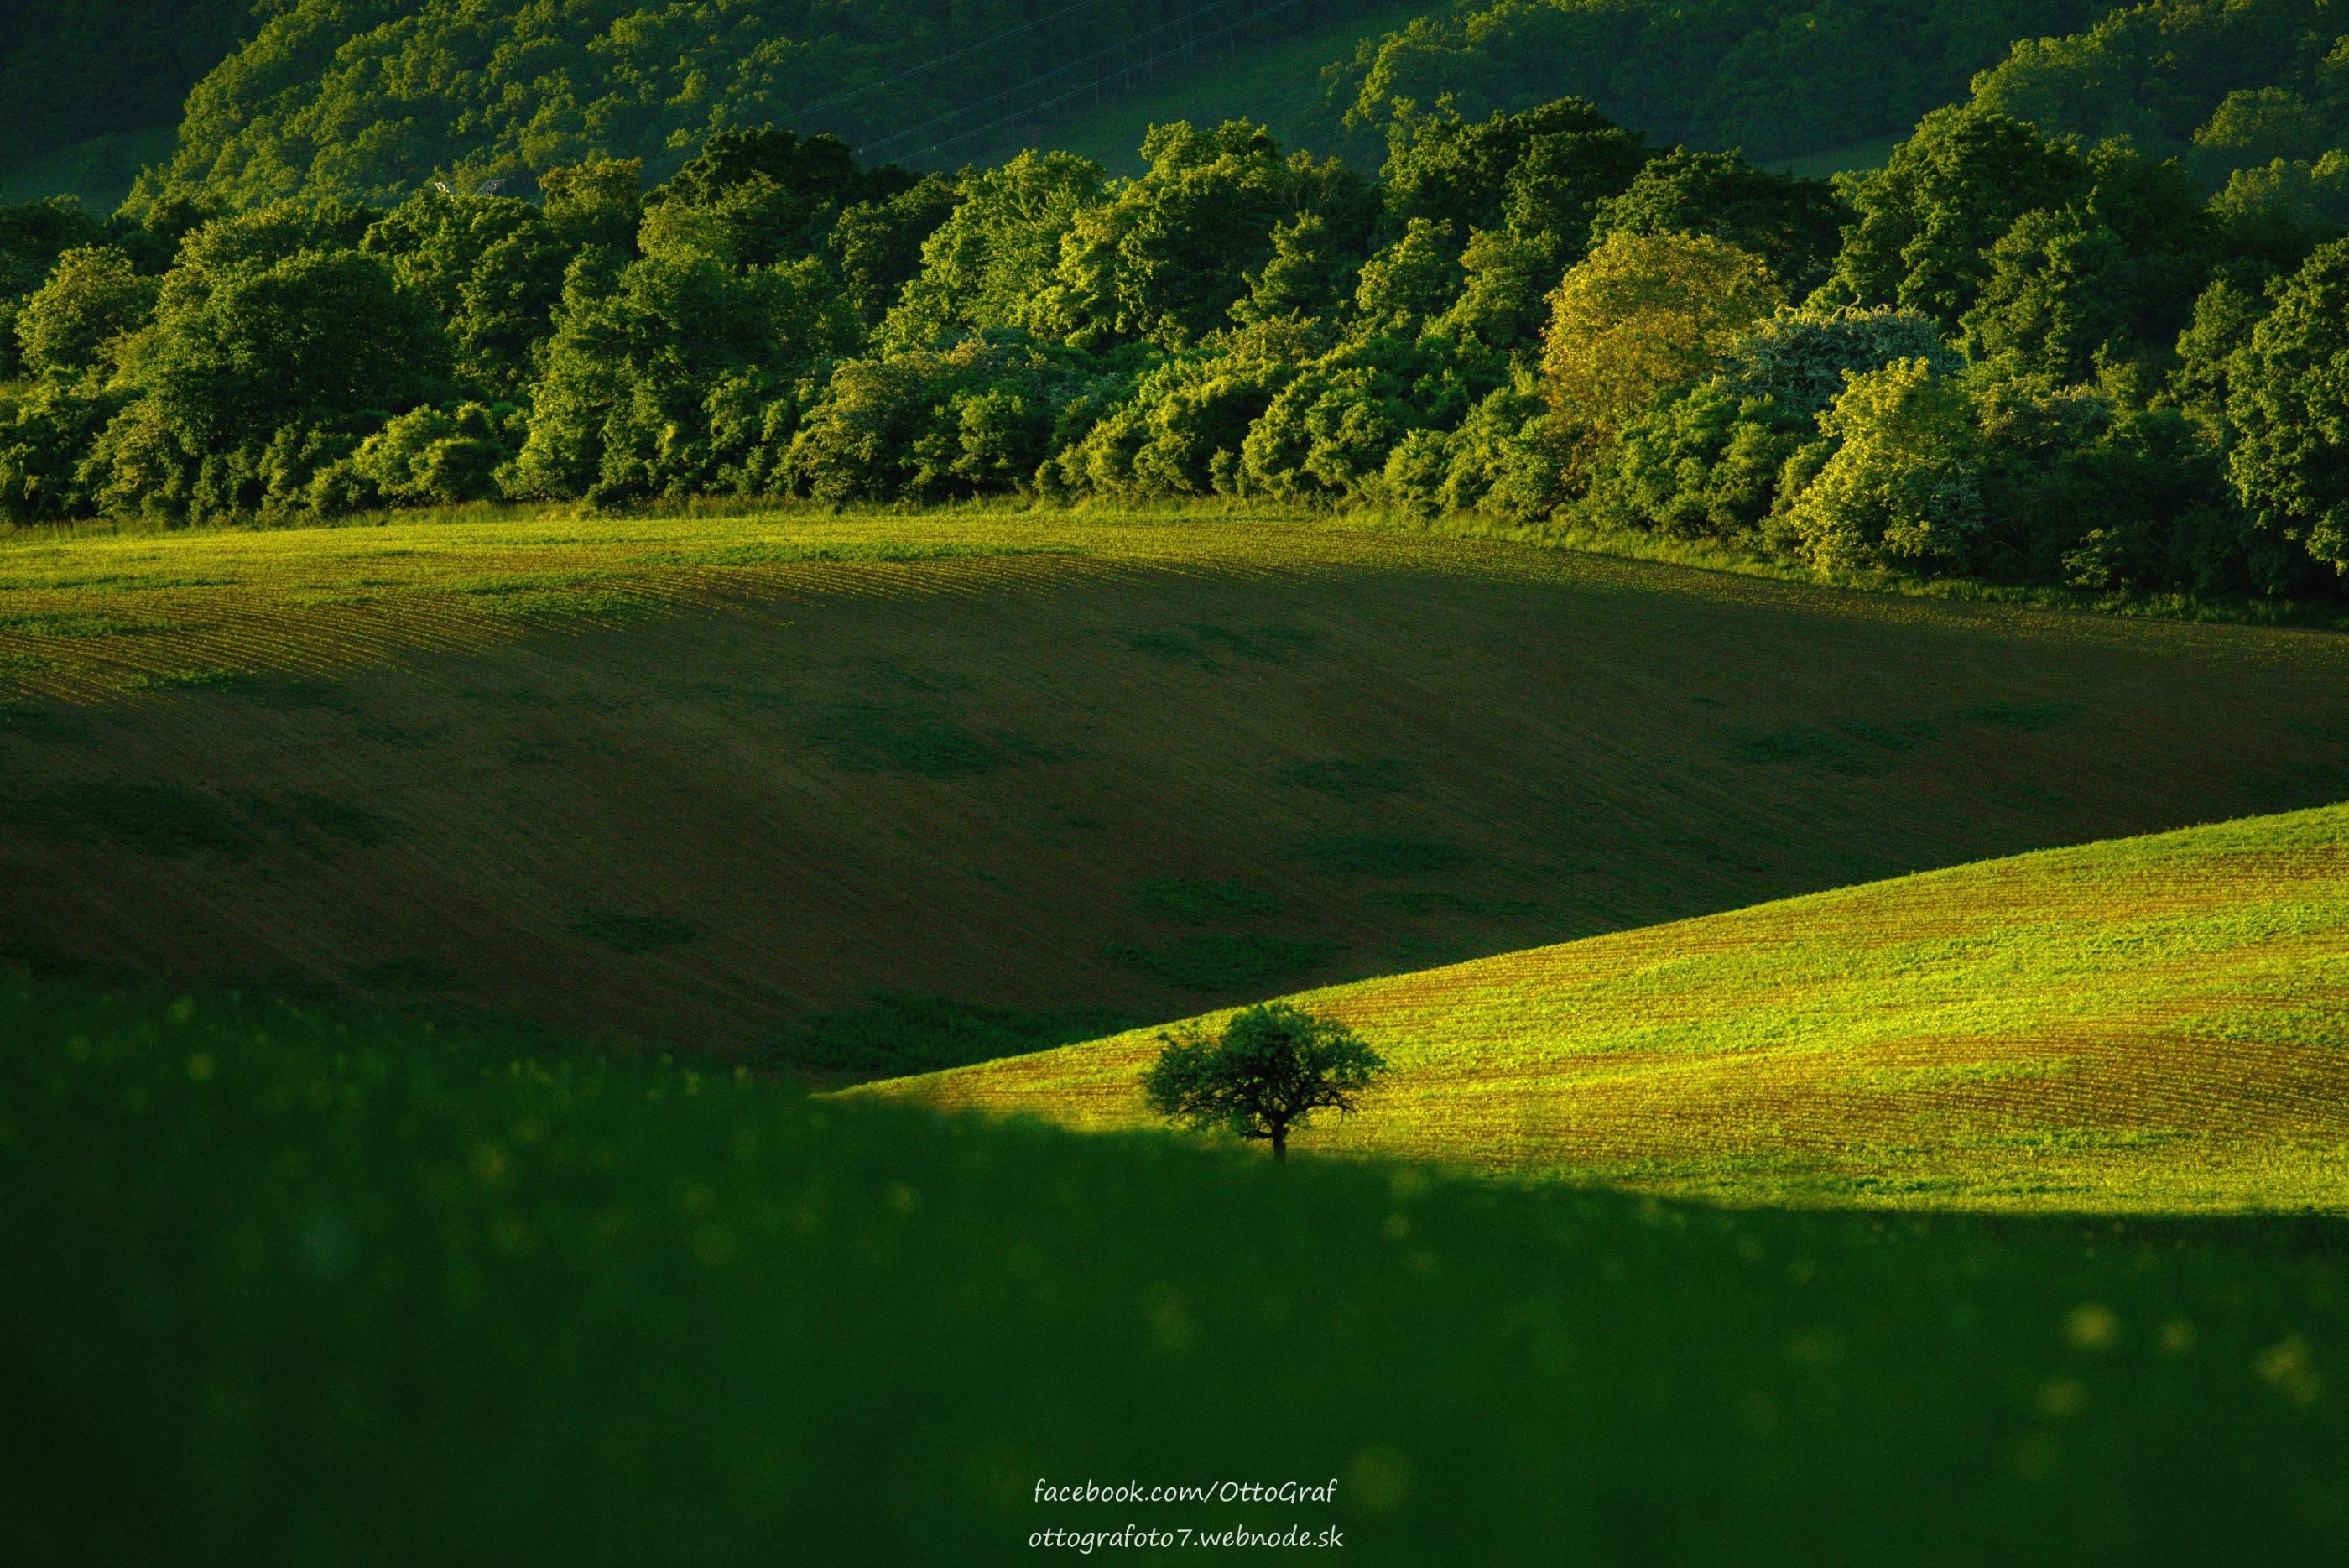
{"x":288,"y":1288}
{"x":439,"y":941}
{"x":2149,"y":1025}
{"x":679,"y":676}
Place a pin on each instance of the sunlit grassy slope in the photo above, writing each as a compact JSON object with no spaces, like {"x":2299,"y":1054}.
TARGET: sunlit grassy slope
{"x":701,"y":779}
{"x":281,"y":1290}
{"x":2157,"y":1023}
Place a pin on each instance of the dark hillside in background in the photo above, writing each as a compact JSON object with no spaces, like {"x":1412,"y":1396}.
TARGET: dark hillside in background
{"x":1779,"y":78}
{"x":73,"y":73}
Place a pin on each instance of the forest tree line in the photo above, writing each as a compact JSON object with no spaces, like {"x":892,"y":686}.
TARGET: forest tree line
{"x":2005,"y":355}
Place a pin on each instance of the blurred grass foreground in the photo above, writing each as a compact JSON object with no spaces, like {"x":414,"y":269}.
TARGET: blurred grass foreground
{"x":284,"y":1288}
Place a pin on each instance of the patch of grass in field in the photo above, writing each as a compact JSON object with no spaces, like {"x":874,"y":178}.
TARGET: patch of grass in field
{"x":780,"y":552}
{"x":337,"y":819}
{"x":41,"y":722}
{"x":294,"y":694}
{"x":165,"y":821}
{"x":2150,"y":1024}
{"x":286,"y":1287}
{"x":1226,"y":961}
{"x":197,"y":680}
{"x":1427,"y":901}
{"x":1352,"y":856}
{"x":1200,"y":645}
{"x":1858,"y":748}
{"x":1347,"y":779}
{"x":903,"y":1032}
{"x":627,"y":932}
{"x":2029,"y":717}
{"x":555,"y":596}
{"x":1202,"y":903}
{"x":408,"y":974}
{"x":878,"y":737}
{"x":77,"y":625}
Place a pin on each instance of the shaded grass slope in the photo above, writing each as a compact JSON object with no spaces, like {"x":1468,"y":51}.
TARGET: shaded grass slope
{"x":2158,"y":1023}
{"x":885,"y":794}
{"x":288,"y":1290}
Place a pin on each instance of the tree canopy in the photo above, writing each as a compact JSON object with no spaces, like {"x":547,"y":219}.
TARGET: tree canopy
{"x":1272,"y":1069}
{"x":370,"y":99}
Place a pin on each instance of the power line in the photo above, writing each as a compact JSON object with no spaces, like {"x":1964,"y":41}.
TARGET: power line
{"x":1039,"y":108}
{"x":943,"y":59}
{"x":1118,"y":47}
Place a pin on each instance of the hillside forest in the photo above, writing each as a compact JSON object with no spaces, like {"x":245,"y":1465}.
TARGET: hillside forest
{"x":2086,"y":329}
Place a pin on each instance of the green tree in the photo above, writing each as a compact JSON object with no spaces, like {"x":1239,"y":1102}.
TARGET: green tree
{"x":877,"y":244}
{"x":1410,"y":283}
{"x":1644,"y":313}
{"x":2288,"y":410}
{"x":2056,"y":299}
{"x":1539,"y":174}
{"x":645,"y":372}
{"x":490,"y":267}
{"x":993,"y":260}
{"x":1164,"y":259}
{"x":1902,"y":484}
{"x":1800,"y":359}
{"x":76,"y":325}
{"x":1703,"y":465}
{"x":372,"y":99}
{"x":2222,"y":87}
{"x":1272,"y":1069}
{"x":429,"y":457}
{"x":2224,"y":321}
{"x":1300,"y":280}
{"x":1795,"y":226}
{"x":758,"y":197}
{"x":1928,"y":218}
{"x":319,"y":338}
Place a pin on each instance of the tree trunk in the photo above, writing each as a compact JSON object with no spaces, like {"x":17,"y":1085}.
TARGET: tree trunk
{"x":1280,"y":1143}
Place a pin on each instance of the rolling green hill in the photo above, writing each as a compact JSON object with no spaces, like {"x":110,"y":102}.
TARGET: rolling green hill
{"x":83,"y":86}
{"x":290,"y":1289}
{"x":1780,"y":79}
{"x":2158,"y":1023}
{"x":704,"y":780}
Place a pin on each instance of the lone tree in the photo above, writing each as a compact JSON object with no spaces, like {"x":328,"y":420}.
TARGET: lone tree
{"x":1274,"y":1067}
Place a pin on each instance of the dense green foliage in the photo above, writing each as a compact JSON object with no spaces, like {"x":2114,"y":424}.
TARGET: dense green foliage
{"x":289,"y":1289}
{"x":1778,"y":77}
{"x":368,"y":100}
{"x":2251,"y":94}
{"x":122,"y":65}
{"x":2004,"y":355}
{"x":1268,"y":1071}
